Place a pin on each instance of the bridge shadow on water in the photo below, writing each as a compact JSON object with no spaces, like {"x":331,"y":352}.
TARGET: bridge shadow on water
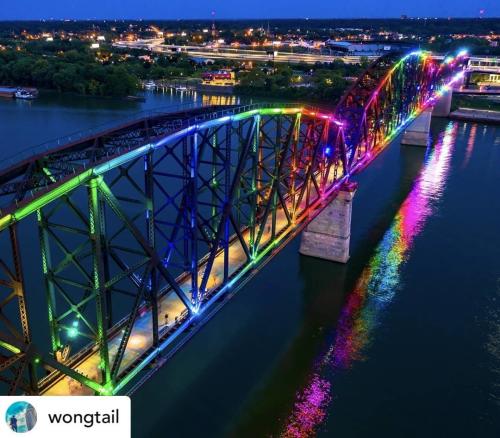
{"x":328,"y":291}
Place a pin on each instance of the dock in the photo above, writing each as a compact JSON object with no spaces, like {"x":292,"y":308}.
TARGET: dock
{"x":8,"y":92}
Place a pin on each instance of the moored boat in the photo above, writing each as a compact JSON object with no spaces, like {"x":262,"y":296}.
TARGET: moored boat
{"x":22,"y":93}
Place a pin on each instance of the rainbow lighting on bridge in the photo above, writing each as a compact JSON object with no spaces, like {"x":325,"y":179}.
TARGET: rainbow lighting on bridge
{"x":373,"y":292}
{"x":145,"y":228}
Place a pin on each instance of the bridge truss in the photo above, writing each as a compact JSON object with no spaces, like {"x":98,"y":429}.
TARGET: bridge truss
{"x":130,"y":235}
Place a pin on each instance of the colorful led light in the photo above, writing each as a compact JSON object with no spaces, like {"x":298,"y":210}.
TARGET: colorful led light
{"x":257,"y":254}
{"x":257,"y":257}
{"x":10,"y":347}
{"x":373,"y":292}
{"x":72,"y":332}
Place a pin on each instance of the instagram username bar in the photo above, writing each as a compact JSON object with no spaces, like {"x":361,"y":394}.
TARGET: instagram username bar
{"x":80,"y":416}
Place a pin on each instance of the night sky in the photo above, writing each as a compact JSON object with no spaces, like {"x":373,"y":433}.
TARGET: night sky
{"x":175,"y":9}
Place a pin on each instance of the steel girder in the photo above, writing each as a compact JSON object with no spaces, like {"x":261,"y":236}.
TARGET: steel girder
{"x":392,"y":91}
{"x":25,"y":178}
{"x":17,"y":370}
{"x":142,"y":228}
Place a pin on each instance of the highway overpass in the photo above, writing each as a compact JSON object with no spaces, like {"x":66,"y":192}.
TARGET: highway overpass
{"x":238,"y":54}
{"x":486,"y":64}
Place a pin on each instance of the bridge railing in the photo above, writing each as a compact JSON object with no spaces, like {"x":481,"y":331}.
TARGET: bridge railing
{"x":47,"y":146}
{"x":73,"y":137}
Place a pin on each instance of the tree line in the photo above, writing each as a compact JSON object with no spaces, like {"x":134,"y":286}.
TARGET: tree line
{"x":74,"y":70}
{"x":324,"y":82}
{"x":71,"y":66}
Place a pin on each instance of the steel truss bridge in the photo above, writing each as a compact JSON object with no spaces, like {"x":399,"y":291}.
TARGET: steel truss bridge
{"x":132,"y":236}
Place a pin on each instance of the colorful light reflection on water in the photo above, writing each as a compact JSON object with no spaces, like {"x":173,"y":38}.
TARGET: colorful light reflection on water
{"x":374,"y":290}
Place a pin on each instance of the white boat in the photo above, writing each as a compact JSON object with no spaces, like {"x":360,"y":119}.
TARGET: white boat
{"x":149,"y":85}
{"x":181,"y":88}
{"x":24,"y":94}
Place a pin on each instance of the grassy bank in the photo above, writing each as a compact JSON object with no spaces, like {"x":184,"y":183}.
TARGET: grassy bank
{"x":475,"y":102}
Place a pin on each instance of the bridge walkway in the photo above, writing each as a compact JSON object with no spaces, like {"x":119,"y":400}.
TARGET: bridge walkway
{"x":141,"y":340}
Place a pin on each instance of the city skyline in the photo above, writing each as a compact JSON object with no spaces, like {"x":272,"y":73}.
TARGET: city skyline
{"x":260,"y":9}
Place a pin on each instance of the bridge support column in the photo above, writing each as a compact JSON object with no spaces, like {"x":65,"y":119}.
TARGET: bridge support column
{"x":329,"y":234}
{"x":467,"y":78}
{"x":443,"y":105}
{"x":417,"y":133}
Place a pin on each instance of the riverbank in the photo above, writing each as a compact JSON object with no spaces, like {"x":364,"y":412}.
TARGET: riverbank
{"x":475,"y":115}
{"x":491,"y":103}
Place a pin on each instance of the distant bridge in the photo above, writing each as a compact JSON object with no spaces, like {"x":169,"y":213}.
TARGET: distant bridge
{"x":239,"y":54}
{"x":477,"y":92}
{"x":487,"y":64}
{"x":135,"y":234}
{"x":484,"y":64}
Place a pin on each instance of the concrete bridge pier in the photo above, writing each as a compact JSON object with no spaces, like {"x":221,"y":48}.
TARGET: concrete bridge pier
{"x":442,"y":108}
{"x":417,"y":133}
{"x":467,"y":78}
{"x":328,"y":235}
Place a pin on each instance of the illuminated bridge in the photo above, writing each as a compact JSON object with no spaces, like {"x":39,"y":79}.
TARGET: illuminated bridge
{"x":117,"y":245}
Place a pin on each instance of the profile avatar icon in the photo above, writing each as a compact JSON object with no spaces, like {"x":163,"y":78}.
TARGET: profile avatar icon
{"x":21,"y":417}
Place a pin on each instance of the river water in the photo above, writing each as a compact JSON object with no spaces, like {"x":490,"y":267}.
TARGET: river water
{"x":402,"y":341}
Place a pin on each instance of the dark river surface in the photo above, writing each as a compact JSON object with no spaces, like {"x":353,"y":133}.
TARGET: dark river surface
{"x":402,"y":341}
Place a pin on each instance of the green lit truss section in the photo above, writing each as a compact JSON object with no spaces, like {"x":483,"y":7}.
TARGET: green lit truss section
{"x":117,"y":245}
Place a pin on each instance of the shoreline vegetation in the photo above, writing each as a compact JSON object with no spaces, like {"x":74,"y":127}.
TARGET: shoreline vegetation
{"x":321,"y":83}
{"x":475,"y":102}
{"x":73,"y":67}
{"x":64,"y":66}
